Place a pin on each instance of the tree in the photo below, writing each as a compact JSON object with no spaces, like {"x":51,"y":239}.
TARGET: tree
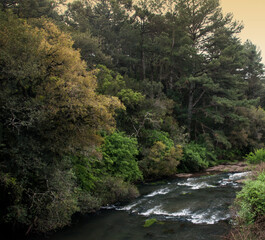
{"x":90,"y":49}
{"x":49,"y":109}
{"x":200,"y":19}
{"x":31,"y":8}
{"x":253,"y":71}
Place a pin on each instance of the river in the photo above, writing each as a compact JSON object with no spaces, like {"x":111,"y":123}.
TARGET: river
{"x":194,"y":208}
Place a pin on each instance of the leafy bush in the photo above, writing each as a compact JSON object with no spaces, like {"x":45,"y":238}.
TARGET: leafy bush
{"x":225,"y":155}
{"x":109,"y":82}
{"x":11,"y":194}
{"x":96,"y":186}
{"x":88,"y":202}
{"x":261,"y":177}
{"x":194,"y":158}
{"x":153,"y":136}
{"x":130,"y":98}
{"x":257,"y":157}
{"x":119,"y":155}
{"x":110,"y":190}
{"x":250,"y":208}
{"x":85,"y":171}
{"x":161,"y":161}
{"x":251,"y":200}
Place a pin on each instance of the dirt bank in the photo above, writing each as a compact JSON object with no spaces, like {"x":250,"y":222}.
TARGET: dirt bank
{"x":237,"y":167}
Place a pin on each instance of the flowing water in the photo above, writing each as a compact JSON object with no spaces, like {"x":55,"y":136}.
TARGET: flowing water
{"x":193,"y":208}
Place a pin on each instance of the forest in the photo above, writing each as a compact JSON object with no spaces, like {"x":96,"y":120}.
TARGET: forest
{"x":97,"y":96}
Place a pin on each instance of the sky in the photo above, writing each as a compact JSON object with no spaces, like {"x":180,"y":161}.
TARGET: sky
{"x":252,"y":14}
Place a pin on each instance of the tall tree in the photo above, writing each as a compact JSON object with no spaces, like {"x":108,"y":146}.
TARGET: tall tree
{"x":49,"y":110}
{"x":253,"y":71}
{"x":31,"y":8}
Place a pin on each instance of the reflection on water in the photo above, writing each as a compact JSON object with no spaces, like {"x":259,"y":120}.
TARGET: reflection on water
{"x":193,"y":208}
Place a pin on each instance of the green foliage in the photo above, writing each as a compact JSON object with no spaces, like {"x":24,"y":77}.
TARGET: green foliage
{"x":87,"y":172}
{"x":215,"y":85}
{"x":91,"y":53}
{"x":111,"y":189}
{"x":249,"y":133}
{"x":173,"y":83}
{"x":225,"y":155}
{"x":194,"y":158}
{"x":153,"y":136}
{"x":261,"y":177}
{"x":130,"y":98}
{"x":88,"y":202}
{"x":256,"y":157}
{"x":176,"y":133}
{"x":161,"y":161}
{"x":109,"y":82}
{"x":49,"y":109}
{"x":54,"y":207}
{"x":30,"y":8}
{"x":11,"y":194}
{"x":251,"y":200}
{"x":119,"y":155}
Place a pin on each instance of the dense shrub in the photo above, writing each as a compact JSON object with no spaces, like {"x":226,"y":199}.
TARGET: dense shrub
{"x":225,"y":155}
{"x":194,"y":158}
{"x":251,"y":200}
{"x":161,"y":161}
{"x":96,"y":186}
{"x":130,"y":98}
{"x":11,"y":194}
{"x":110,"y":190}
{"x":153,"y":136}
{"x":250,"y":208}
{"x":86,"y":172}
{"x":88,"y":202}
{"x":109,"y":82}
{"x":257,"y":157}
{"x":119,"y":155}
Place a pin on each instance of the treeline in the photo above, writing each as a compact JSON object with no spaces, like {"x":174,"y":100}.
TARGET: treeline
{"x":113,"y":92}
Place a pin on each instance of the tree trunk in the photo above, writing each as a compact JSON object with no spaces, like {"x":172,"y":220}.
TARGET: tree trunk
{"x":143,"y":53}
{"x":190,"y":106}
{"x":170,"y":84}
{"x":143,"y":65}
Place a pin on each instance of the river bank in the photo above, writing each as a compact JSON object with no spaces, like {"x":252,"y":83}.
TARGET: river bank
{"x":222,"y":168}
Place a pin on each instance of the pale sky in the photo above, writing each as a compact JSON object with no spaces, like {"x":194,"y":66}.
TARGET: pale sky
{"x":252,"y":14}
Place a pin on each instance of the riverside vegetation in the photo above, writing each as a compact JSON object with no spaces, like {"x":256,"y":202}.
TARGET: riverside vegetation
{"x":110,"y":93}
{"x":250,"y":202}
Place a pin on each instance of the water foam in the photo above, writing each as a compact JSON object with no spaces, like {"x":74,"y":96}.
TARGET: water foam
{"x":237,"y":176}
{"x":109,"y":207}
{"x":157,"y":210}
{"x":230,"y":181}
{"x":194,"y":185}
{"x":151,"y":211}
{"x":159,"y":192}
{"x":128,"y":207}
{"x":207,"y":218}
{"x":195,"y":217}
